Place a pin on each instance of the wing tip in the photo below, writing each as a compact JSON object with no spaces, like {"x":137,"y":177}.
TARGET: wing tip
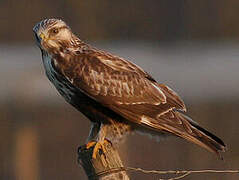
{"x":203,"y":137}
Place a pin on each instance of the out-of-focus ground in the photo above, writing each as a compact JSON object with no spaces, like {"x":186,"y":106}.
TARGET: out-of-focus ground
{"x":40,"y":132}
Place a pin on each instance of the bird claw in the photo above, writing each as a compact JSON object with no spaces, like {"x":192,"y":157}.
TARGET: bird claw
{"x":100,"y":145}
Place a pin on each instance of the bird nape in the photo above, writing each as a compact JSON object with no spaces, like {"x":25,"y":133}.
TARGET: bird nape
{"x":117,"y":96}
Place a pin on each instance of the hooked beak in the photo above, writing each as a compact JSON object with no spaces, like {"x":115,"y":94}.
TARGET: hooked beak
{"x":40,"y":39}
{"x":42,"y":36}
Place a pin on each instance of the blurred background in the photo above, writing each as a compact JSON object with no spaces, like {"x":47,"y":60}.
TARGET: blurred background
{"x":192,"y":46}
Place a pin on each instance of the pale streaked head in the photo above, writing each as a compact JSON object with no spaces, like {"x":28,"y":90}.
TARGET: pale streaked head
{"x":52,"y":33}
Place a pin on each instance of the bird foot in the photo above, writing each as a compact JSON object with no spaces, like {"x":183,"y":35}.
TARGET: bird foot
{"x":99,"y":146}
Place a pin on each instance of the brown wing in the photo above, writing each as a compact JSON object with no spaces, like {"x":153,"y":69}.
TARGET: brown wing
{"x":120,"y":85}
{"x":113,"y":81}
{"x":128,"y":90}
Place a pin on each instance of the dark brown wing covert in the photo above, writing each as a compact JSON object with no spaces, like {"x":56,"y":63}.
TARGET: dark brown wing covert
{"x":129,"y":91}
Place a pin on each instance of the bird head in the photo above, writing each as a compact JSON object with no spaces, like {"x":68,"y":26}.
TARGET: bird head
{"x":52,"y":34}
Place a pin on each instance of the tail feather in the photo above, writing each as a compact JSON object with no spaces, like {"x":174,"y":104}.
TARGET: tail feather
{"x":210,"y":139}
{"x":182,"y":126}
{"x":201,"y":136}
{"x":206,"y":137}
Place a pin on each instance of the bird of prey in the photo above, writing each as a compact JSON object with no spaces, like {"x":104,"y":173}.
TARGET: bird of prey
{"x":117,"y":96}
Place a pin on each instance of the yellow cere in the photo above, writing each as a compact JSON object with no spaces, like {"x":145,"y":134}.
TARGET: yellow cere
{"x":42,"y":36}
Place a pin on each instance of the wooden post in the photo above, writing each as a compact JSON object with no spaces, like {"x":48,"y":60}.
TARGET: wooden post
{"x":26,"y":153}
{"x":106,"y":166}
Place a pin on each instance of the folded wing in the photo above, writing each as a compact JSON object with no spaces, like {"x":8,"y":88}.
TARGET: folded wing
{"x":129,"y":91}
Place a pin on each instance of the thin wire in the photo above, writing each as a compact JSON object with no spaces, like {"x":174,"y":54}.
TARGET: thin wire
{"x":184,"y":172}
{"x":178,"y":177}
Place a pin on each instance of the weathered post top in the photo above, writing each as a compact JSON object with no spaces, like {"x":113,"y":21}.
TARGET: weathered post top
{"x":107,"y":166}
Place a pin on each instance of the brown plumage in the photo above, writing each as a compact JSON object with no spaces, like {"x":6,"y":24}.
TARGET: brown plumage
{"x":115,"y":94}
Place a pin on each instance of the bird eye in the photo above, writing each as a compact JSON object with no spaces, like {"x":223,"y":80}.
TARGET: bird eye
{"x":54,"y":31}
